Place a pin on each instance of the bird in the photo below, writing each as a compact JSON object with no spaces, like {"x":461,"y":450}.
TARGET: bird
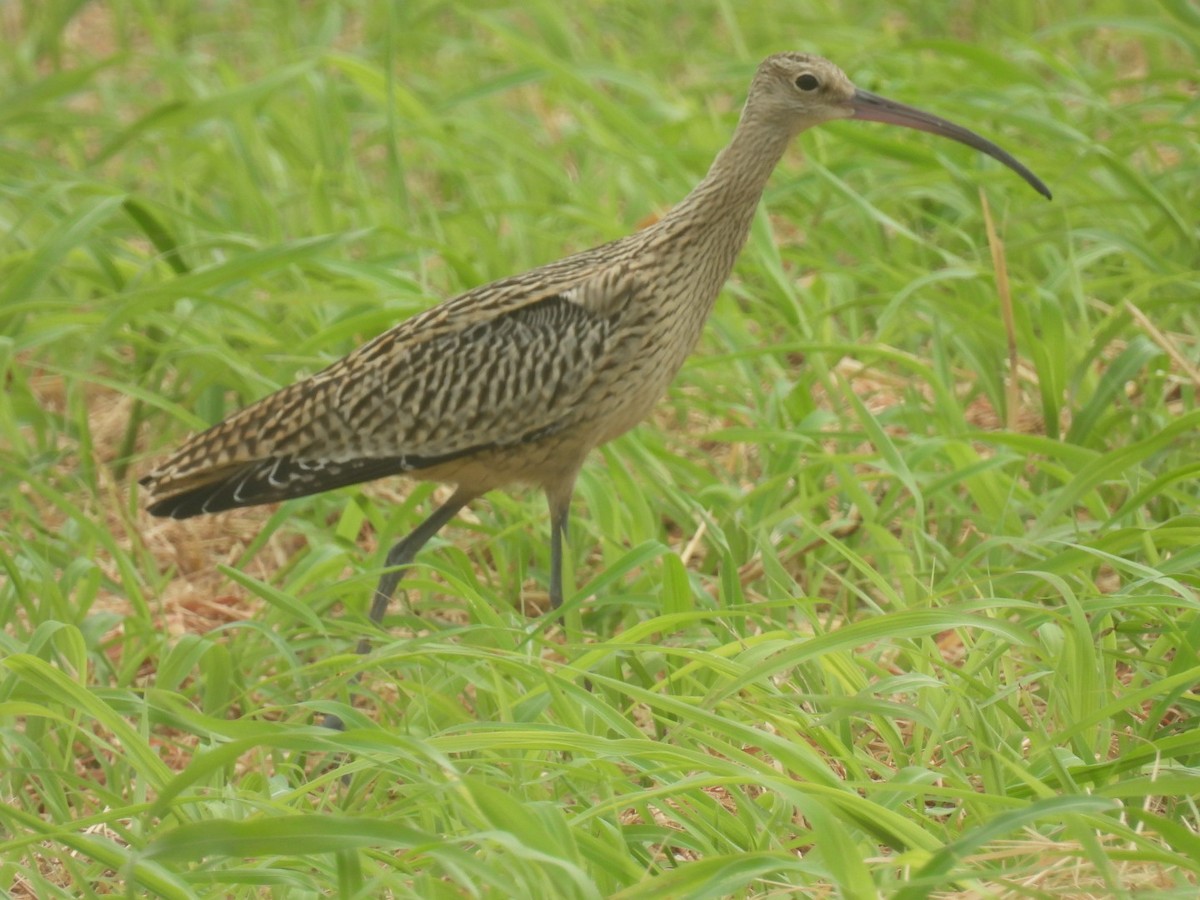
{"x":516,"y":381}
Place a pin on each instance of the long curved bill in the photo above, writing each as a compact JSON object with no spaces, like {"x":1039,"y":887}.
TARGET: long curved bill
{"x":873,"y":108}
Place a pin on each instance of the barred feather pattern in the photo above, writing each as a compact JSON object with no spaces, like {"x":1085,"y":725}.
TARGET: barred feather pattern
{"x":516,"y":380}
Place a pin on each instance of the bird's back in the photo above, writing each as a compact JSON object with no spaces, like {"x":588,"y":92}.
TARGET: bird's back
{"x":507,"y":364}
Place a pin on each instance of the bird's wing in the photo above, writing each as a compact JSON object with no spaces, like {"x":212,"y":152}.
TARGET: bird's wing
{"x":436,"y":388}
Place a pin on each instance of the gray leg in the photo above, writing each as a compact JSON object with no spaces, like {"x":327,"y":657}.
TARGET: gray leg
{"x":402,"y":554}
{"x":560,"y":511}
{"x":405,"y":551}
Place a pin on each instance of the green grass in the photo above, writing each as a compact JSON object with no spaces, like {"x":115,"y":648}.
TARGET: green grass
{"x":856,"y":612}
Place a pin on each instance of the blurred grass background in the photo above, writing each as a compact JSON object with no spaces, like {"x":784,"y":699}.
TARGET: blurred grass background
{"x":861,"y":610}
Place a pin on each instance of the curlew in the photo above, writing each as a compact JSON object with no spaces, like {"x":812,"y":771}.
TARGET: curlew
{"x":516,"y":381}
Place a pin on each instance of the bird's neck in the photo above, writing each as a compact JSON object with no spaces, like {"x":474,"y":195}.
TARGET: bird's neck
{"x":695,"y":245}
{"x":722,"y":205}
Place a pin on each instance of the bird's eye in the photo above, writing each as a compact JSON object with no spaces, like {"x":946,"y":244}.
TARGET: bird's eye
{"x":808,"y":82}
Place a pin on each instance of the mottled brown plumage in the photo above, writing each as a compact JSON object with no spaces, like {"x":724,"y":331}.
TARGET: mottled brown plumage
{"x":516,"y":381}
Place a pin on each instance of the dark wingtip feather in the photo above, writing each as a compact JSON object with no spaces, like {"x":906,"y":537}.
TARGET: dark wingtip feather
{"x":256,"y":483}
{"x":206,"y":499}
{"x":281,"y":478}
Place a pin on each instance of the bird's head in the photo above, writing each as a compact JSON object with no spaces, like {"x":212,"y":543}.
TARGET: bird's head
{"x":800,"y":91}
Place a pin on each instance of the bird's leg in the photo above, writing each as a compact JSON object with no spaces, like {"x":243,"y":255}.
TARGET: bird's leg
{"x":398,"y":558}
{"x":558,"y":529}
{"x":560,"y":511}
{"x":405,"y":551}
